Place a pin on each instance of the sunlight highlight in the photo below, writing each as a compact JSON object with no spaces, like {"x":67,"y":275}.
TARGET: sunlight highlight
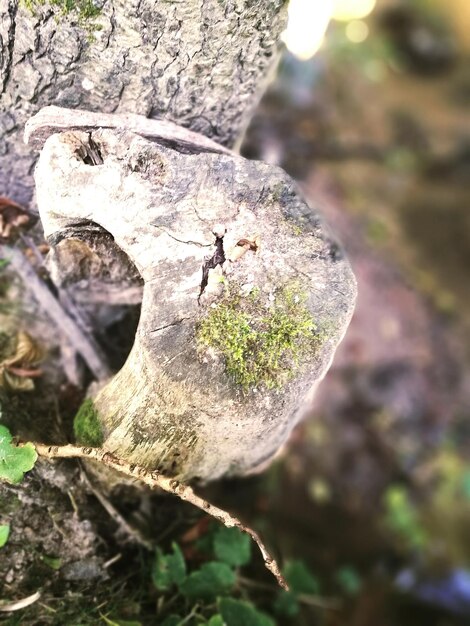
{"x":345,"y":10}
{"x":306,"y":28}
{"x":309,"y":19}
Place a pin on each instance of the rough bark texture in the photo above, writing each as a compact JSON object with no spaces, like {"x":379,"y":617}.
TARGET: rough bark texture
{"x":174,"y":405}
{"x":200,"y":63}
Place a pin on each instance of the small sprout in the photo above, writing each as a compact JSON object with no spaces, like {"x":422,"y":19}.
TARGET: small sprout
{"x":349,"y":580}
{"x":241,"y":613}
{"x":4,"y":534}
{"x":168,"y":569}
{"x":53,"y":562}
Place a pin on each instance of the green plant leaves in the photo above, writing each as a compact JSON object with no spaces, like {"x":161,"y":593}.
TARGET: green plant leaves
{"x":168,"y":569}
{"x":211,"y":580}
{"x":14,"y":461}
{"x":402,"y":517}
{"x":4,"y":534}
{"x":300,"y":578}
{"x":349,"y":580}
{"x":287,"y":604}
{"x":301,"y":581}
{"x":232,"y":546}
{"x":239,"y":613}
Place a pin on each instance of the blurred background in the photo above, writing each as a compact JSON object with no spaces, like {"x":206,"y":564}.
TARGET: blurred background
{"x":370,"y":113}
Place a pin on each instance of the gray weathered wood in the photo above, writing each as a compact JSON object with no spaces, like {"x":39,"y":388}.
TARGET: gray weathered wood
{"x":173,"y":404}
{"x":53,"y":119}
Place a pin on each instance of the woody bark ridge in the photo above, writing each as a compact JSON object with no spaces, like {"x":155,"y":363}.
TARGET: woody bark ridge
{"x":245,"y":297}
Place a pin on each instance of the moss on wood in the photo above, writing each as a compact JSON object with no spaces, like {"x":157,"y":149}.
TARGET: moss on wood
{"x":262,"y":342}
{"x":83,"y":9}
{"x":86,"y":425}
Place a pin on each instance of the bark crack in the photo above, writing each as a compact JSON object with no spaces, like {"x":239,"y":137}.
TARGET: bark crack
{"x":175,"y":323}
{"x":190,"y":242}
{"x":210,"y":263}
{"x":12,"y":11}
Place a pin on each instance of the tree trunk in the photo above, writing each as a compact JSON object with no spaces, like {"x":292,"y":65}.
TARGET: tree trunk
{"x":200,"y":63}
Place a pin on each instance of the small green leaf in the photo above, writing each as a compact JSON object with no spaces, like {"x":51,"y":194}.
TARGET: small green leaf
{"x":349,"y":580}
{"x":168,"y":569}
{"x":4,"y":534}
{"x":239,"y":613}
{"x":287,"y":604}
{"x":300,"y":578}
{"x":14,"y":461}
{"x":205,"y":543}
{"x":211,"y":580}
{"x":52,"y":561}
{"x":232,"y":546}
{"x":216,"y":620}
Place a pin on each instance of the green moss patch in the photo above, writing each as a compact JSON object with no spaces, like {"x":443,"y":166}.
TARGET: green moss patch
{"x":261,"y":345}
{"x":86,"y":425}
{"x":83,"y":9}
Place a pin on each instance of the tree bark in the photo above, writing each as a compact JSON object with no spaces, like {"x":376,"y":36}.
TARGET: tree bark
{"x":200,"y":63}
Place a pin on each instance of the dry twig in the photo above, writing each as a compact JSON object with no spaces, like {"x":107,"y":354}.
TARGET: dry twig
{"x":132,"y":533}
{"x":155,"y":479}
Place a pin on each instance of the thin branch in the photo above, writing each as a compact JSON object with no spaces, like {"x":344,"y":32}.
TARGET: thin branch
{"x":319,"y":602}
{"x":132,"y":533}
{"x":156,"y":479}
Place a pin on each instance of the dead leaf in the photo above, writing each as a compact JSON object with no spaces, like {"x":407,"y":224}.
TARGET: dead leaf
{"x":13,"y":219}
{"x":16,"y":383}
{"x":27,"y":351}
{"x":243,"y":246}
{"x":16,"y":372}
